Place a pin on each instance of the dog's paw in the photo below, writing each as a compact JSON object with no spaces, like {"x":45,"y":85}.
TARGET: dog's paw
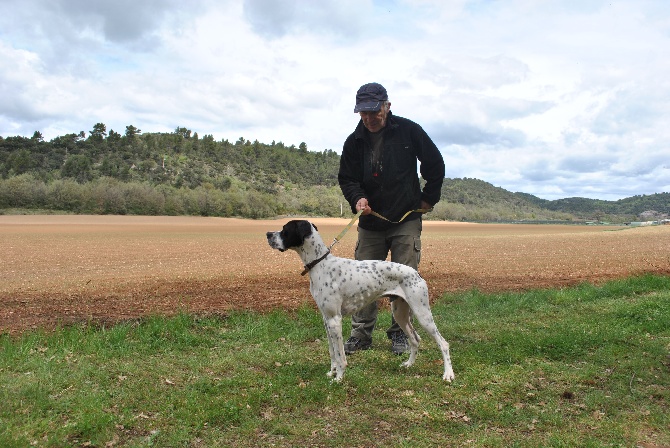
{"x":448,"y":376}
{"x":335,"y":376}
{"x":407,"y":364}
{"x":336,"y":379}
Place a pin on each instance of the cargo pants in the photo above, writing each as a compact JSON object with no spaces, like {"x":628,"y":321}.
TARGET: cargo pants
{"x":404,"y":243}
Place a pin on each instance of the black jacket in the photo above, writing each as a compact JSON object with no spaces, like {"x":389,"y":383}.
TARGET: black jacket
{"x":394,"y":189}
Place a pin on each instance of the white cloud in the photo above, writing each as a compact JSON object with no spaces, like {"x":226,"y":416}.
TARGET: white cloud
{"x":340,"y":18}
{"x":553,"y":98}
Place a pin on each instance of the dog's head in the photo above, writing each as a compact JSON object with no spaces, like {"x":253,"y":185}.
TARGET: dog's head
{"x":293,"y":234}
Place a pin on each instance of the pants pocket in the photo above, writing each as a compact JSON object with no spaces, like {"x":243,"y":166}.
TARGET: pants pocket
{"x":417,"y":249}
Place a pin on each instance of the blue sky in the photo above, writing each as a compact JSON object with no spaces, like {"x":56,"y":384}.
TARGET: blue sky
{"x":552,"y":98}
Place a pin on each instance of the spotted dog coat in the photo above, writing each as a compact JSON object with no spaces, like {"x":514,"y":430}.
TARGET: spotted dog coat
{"x":341,"y":286}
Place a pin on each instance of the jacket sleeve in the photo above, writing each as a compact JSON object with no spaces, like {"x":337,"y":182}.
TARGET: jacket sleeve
{"x":432,"y":166}
{"x":350,"y":176}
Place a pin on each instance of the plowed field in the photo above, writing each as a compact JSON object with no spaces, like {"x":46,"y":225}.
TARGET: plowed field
{"x":64,"y":269}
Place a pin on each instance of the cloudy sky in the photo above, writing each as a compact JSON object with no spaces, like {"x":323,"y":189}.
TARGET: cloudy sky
{"x":557,"y":98}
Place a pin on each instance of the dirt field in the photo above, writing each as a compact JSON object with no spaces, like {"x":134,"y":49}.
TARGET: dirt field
{"x":62,"y":269}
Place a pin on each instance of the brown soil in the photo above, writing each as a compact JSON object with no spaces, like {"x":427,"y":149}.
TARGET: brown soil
{"x":57,"y":270}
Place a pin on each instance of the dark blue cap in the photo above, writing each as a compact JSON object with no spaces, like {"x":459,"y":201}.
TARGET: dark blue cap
{"x":370,"y":97}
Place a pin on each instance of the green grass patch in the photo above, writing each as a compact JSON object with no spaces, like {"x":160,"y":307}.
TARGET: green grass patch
{"x":585,"y":366}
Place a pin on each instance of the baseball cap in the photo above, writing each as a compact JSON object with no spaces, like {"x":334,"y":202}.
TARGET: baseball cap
{"x":369,"y":97}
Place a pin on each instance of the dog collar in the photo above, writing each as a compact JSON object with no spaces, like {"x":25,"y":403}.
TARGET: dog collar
{"x":313,"y":263}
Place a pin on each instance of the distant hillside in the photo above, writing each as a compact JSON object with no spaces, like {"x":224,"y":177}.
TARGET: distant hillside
{"x":496,"y":203}
{"x":634,"y":206}
{"x":182,"y":173}
{"x":475,"y":200}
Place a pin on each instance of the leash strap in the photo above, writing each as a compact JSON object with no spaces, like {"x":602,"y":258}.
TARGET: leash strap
{"x":351,"y":223}
{"x":419,"y":210}
{"x":373,"y":213}
{"x":346,"y":229}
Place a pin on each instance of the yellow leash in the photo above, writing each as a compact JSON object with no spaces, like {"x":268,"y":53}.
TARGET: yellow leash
{"x":360,"y":212}
{"x":346,"y":229}
{"x":418,"y":210}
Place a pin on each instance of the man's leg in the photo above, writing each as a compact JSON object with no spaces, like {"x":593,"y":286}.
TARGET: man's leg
{"x":405,"y":243}
{"x":370,"y":246}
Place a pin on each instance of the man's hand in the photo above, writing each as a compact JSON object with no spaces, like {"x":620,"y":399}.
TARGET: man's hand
{"x":362,"y":204}
{"x":425,"y":205}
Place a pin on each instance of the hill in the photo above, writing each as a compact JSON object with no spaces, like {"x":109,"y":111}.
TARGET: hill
{"x":481,"y":201}
{"x":181,"y":173}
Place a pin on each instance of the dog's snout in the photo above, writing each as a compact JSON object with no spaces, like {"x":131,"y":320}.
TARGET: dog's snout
{"x":275,"y":241}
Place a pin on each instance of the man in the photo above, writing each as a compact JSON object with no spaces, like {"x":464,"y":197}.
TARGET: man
{"x":378,"y":171}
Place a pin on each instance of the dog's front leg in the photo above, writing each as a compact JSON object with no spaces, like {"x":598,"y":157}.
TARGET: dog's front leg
{"x":338,"y":360}
{"x":331,"y":349}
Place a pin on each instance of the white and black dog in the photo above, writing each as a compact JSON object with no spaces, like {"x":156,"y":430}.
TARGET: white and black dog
{"x":341,"y":286}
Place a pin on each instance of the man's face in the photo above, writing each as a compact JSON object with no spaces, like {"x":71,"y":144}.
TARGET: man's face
{"x":375,"y":121}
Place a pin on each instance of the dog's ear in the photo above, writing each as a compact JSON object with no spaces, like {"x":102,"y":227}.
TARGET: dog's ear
{"x":304,"y":229}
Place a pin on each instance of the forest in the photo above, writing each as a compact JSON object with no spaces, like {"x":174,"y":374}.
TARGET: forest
{"x":181,"y":173}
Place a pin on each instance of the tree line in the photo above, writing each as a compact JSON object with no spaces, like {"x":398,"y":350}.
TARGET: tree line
{"x":181,"y":173}
{"x":106,"y":195}
{"x":173,"y":173}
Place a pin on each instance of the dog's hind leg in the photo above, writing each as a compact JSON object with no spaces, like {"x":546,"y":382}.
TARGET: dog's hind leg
{"x":401,"y":313}
{"x":425,"y":318}
{"x":338,"y":360}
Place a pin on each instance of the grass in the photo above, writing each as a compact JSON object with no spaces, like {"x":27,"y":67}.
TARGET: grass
{"x":587,"y":366}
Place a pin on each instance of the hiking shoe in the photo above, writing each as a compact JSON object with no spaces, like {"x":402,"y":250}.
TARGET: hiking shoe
{"x":355,"y":344}
{"x":399,"y":344}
